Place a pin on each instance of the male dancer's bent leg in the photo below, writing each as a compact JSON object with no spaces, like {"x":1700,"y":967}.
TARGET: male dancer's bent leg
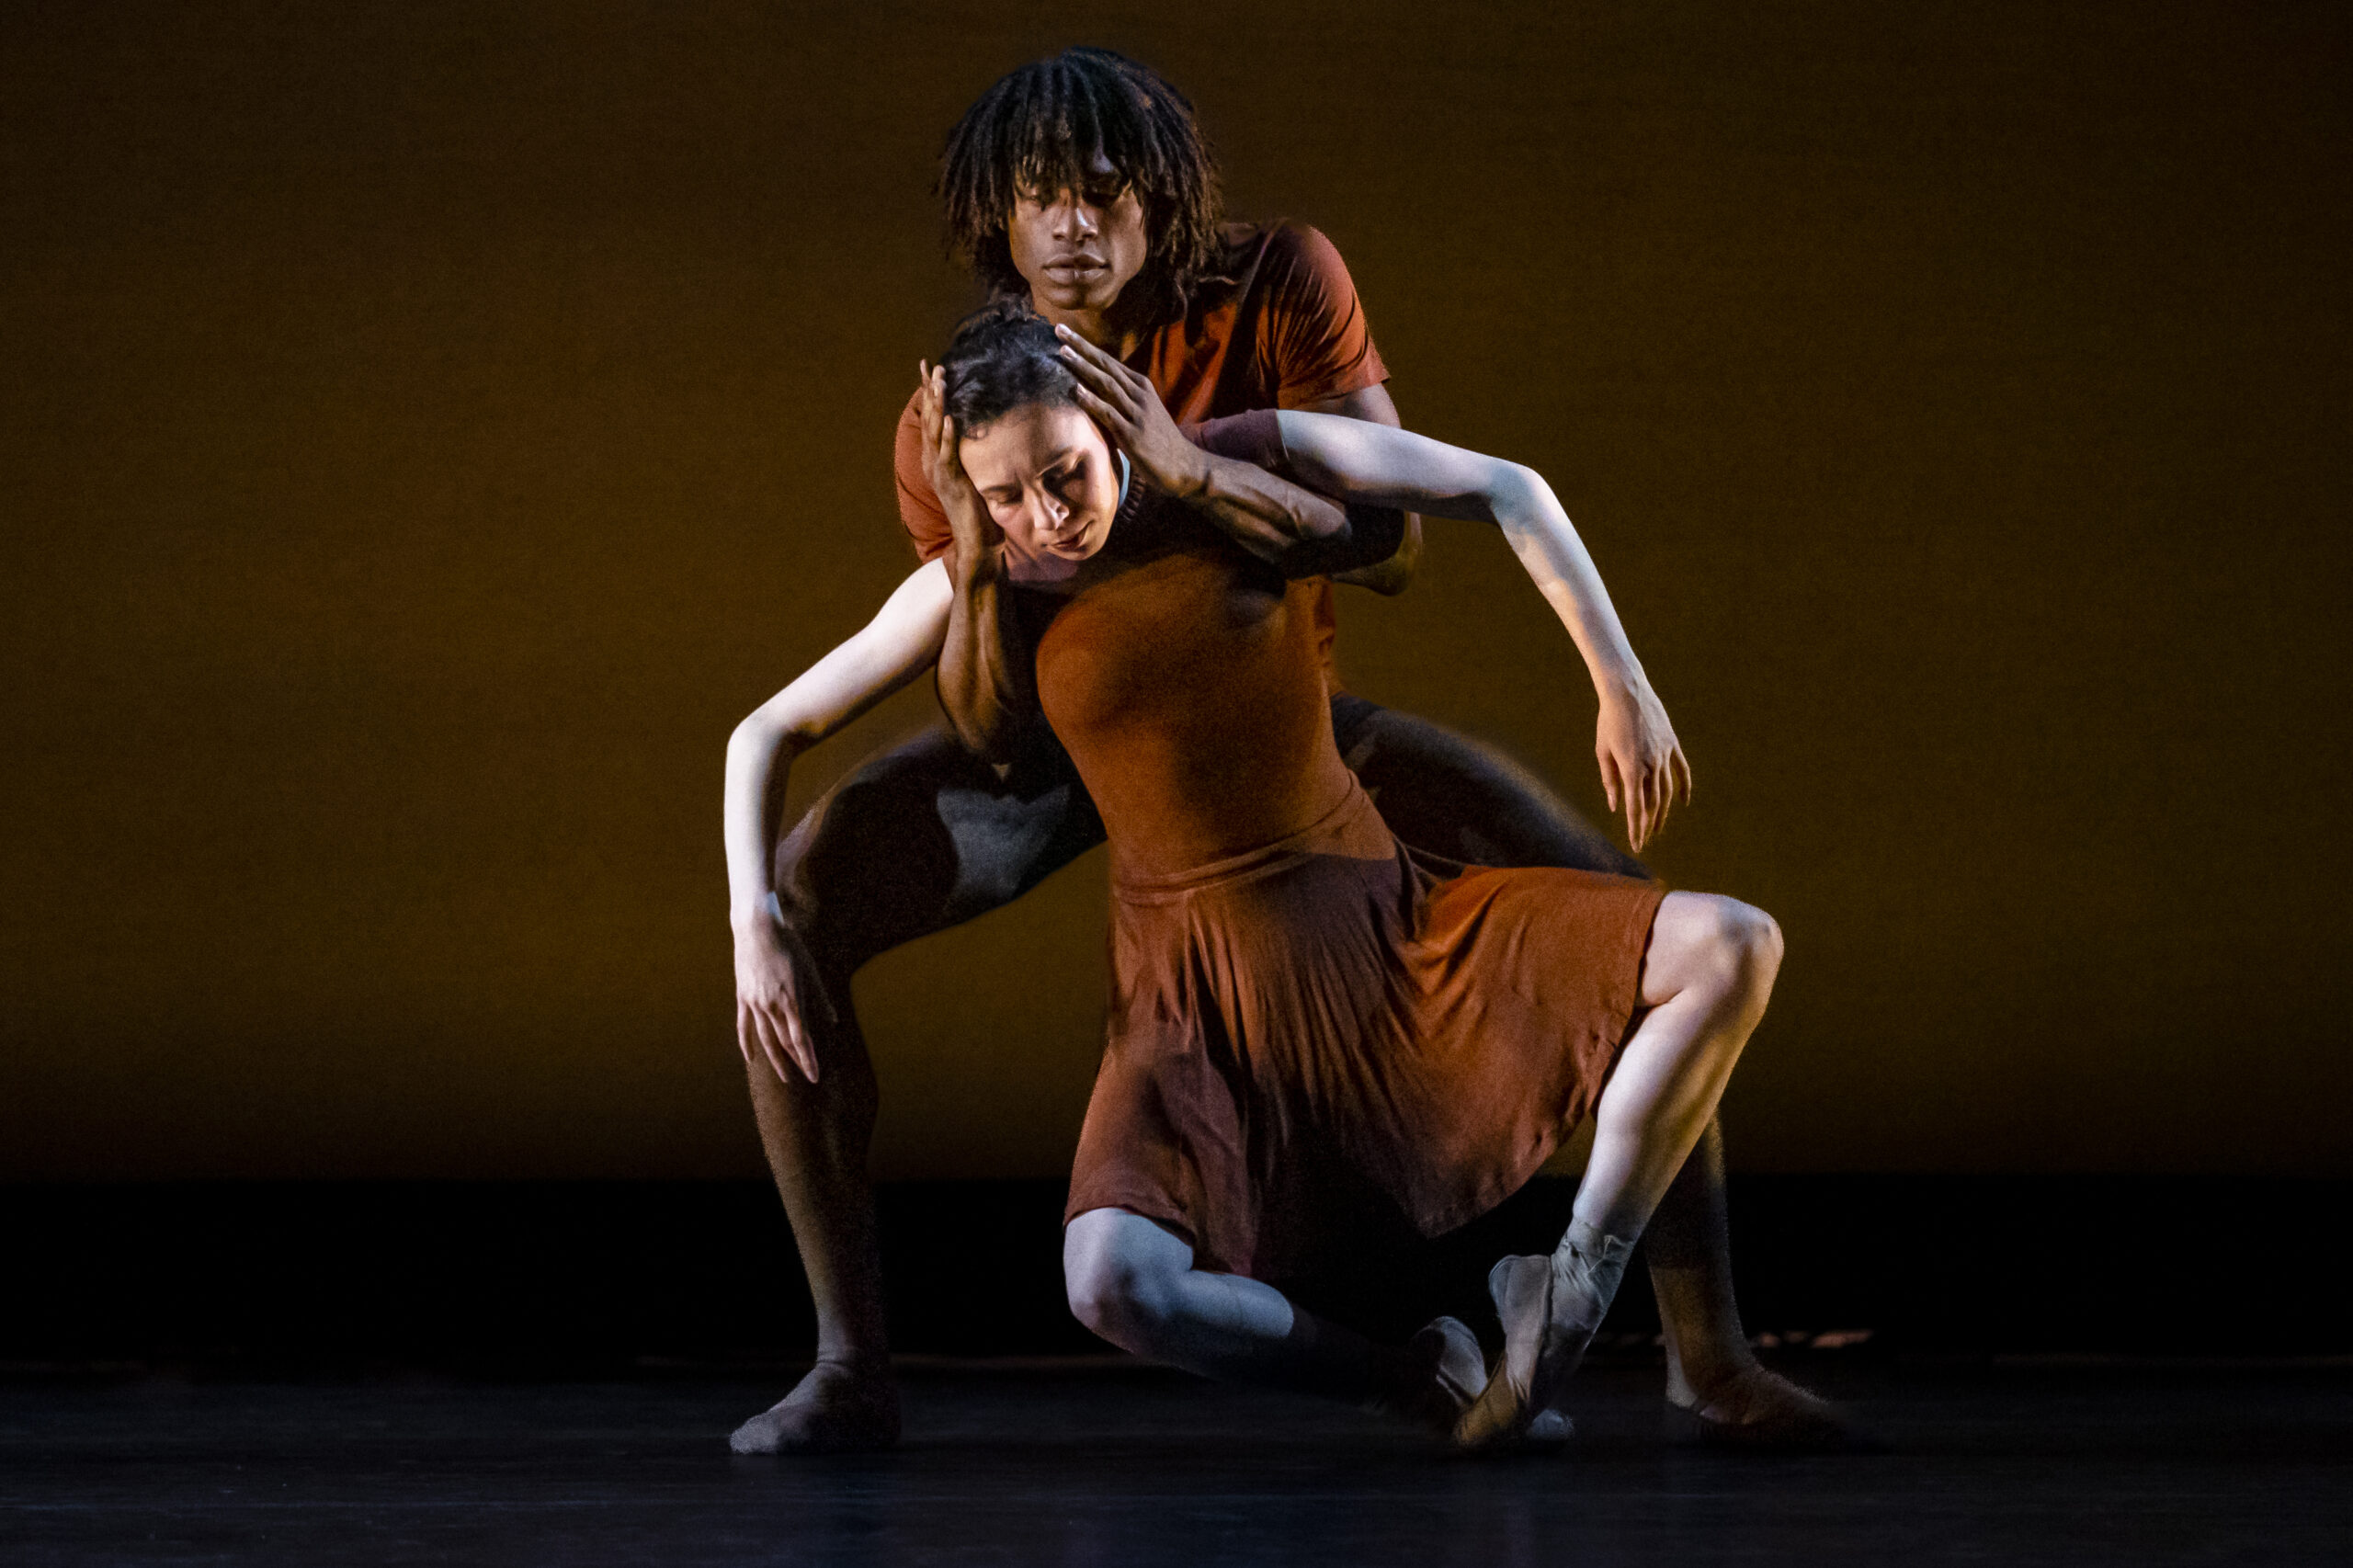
{"x":921,"y":838}
{"x":1450,"y":796}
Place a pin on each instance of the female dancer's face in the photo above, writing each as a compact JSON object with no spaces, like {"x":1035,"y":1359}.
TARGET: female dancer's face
{"x":1048,"y":478}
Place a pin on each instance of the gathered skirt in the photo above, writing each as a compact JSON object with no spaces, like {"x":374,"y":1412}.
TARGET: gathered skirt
{"x":1335,"y":1026}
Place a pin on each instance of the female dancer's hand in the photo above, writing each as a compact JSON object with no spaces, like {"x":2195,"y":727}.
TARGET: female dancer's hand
{"x":775,"y":981}
{"x":979,"y":542}
{"x":1642,"y":765}
{"x":1131,"y":413}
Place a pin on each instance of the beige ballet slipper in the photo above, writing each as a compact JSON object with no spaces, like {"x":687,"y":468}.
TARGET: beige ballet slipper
{"x":1435,"y":1377}
{"x":1550,"y":1308}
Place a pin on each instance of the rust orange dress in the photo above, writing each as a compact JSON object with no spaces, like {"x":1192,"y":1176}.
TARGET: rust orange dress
{"x":1305,"y":1017}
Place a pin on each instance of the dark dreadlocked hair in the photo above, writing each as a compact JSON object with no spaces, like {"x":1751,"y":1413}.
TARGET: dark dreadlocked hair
{"x":1005,"y":357}
{"x":1040,"y":128}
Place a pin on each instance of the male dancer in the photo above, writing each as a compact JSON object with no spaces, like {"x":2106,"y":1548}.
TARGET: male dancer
{"x":1084,"y":182}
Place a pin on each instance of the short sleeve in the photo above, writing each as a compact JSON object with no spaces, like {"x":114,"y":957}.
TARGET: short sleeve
{"x":1256,"y":437}
{"x":1315,"y":334}
{"x":919,"y":509}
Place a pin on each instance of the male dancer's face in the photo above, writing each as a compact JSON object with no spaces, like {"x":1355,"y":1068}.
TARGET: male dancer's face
{"x":1047,"y":477}
{"x":1078,"y":248}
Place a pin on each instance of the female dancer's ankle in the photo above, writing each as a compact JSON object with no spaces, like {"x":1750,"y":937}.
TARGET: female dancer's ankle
{"x":1595,"y":1259}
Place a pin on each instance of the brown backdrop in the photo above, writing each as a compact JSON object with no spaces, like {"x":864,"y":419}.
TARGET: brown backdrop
{"x":428,"y":431}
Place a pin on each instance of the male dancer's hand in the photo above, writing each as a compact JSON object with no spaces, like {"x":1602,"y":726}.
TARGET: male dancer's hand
{"x":1131,"y":413}
{"x":980,"y":543}
{"x":775,"y":978}
{"x":1642,"y":765}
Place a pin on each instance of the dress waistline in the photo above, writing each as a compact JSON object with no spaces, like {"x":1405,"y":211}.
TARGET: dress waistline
{"x":1320,"y":836}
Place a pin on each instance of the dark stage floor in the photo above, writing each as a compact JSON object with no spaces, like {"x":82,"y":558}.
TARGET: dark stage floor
{"x":1080,"y":1463}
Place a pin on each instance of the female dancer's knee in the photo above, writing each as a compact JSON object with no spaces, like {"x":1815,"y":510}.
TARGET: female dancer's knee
{"x":1714,"y":944}
{"x":1122,"y":1273}
{"x":1752,"y":940}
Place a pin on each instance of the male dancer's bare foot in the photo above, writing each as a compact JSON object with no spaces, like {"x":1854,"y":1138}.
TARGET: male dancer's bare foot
{"x":838,"y":1408}
{"x":1751,"y":1408}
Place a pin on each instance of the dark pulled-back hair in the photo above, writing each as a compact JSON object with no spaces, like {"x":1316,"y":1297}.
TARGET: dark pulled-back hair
{"x":1038,"y":131}
{"x":1005,"y":357}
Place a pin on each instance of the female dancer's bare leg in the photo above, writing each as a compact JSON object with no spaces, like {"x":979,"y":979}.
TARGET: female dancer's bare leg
{"x":1706,"y":979}
{"x":1132,"y":1281}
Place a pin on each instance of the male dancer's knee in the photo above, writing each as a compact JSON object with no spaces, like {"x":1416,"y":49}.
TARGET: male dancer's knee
{"x":874,"y":864}
{"x":832,"y":1120}
{"x":825,"y":912}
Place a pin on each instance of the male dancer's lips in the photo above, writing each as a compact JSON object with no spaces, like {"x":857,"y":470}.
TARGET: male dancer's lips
{"x":1074,"y":267}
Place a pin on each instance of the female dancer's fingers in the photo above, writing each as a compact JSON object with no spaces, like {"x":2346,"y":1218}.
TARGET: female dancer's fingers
{"x":1683,"y":774}
{"x":797,"y":1041}
{"x":770,"y":1051}
{"x":743,"y":1031}
{"x":939,"y":430}
{"x":1609,"y":780}
{"x":777,"y":1046}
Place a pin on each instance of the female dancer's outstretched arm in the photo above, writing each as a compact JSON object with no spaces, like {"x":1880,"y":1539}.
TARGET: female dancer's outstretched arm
{"x":771,"y":972}
{"x":1642,"y":767}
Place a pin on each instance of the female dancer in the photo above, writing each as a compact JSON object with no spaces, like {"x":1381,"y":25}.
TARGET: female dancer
{"x":1305,"y":1019}
{"x":1309,"y":1025}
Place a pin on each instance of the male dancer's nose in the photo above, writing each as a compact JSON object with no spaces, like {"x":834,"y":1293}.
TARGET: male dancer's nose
{"x":1075,"y":218}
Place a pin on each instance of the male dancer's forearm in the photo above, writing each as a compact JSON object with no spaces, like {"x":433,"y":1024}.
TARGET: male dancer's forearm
{"x":1304,"y":534}
{"x":1301,"y":533}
